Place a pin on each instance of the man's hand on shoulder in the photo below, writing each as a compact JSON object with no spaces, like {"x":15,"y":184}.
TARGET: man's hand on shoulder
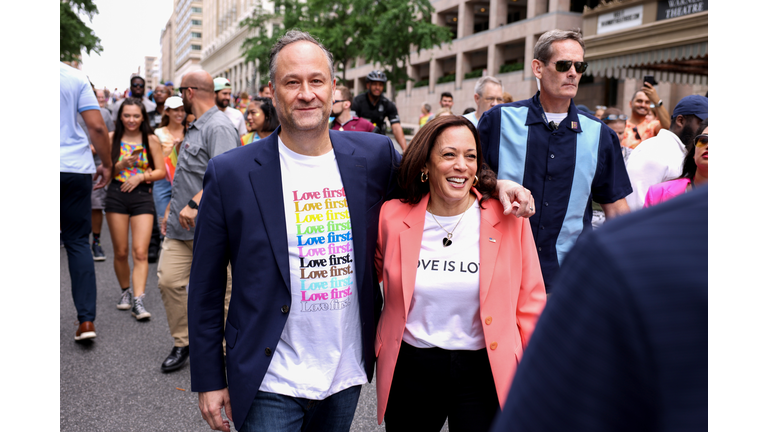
{"x":210,"y":404}
{"x":515,"y":198}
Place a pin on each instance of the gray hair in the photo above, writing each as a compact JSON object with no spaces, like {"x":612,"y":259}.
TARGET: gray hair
{"x":543,"y":49}
{"x":290,"y":37}
{"x":427,"y":106}
{"x":482,"y":82}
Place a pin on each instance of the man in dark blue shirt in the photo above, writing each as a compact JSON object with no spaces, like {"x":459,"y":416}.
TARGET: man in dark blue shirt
{"x":565,"y":157}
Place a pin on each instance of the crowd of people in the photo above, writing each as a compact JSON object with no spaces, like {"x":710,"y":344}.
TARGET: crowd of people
{"x":285,"y":227}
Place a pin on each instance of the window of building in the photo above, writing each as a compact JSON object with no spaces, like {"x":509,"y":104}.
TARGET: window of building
{"x":197,"y":10}
{"x":196,"y":47}
{"x":197,"y":35}
{"x":197,"y":22}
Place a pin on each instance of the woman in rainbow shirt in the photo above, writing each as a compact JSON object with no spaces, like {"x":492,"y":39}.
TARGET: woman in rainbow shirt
{"x":129,"y":200}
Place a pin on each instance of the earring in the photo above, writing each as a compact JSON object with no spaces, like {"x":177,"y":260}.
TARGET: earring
{"x":476,"y":180}
{"x":424,"y":177}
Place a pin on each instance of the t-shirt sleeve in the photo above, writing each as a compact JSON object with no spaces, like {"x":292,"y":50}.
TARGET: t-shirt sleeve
{"x":392,"y":114}
{"x":489,"y":132}
{"x":87,"y":99}
{"x":611,"y":182}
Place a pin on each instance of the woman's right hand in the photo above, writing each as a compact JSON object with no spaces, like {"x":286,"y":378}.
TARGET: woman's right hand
{"x":130,"y":161}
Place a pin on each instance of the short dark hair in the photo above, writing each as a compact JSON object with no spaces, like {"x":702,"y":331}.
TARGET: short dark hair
{"x":419,"y":150}
{"x":446,"y":94}
{"x":262,"y":87}
{"x":271,"y":121}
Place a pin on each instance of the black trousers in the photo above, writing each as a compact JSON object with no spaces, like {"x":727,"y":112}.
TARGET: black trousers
{"x":432,"y":384}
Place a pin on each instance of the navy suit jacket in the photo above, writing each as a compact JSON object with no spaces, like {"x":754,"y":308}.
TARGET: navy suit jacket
{"x":242,"y":220}
{"x":622,"y":344}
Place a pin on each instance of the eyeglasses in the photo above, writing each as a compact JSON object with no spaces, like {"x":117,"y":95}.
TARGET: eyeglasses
{"x":184,"y":88}
{"x":138,"y":85}
{"x":701,"y":140}
{"x":565,"y":66}
{"x":492,"y":99}
{"x":613,"y":117}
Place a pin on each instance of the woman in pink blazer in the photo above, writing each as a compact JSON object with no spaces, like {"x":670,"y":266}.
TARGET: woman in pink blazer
{"x":462,"y":287}
{"x":695,"y":171}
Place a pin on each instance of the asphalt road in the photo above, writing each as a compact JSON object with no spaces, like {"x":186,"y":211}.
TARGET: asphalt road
{"x":115,"y":382}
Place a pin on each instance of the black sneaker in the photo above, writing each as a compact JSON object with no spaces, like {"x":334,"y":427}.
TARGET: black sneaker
{"x":98,"y":252}
{"x":138,"y":310}
{"x":125,"y":300}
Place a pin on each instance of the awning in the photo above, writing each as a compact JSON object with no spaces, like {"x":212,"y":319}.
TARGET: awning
{"x":685,"y":64}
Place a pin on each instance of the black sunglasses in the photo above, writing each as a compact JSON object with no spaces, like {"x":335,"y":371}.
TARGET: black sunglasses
{"x":565,"y":66}
{"x":337,"y":101}
{"x":181,"y":89}
{"x":701,"y":140}
{"x":138,"y":85}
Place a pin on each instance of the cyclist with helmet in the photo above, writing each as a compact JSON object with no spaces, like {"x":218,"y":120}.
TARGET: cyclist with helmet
{"x":374,"y":106}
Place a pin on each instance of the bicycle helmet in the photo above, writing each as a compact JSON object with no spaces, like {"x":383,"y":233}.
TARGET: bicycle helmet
{"x":377,"y":75}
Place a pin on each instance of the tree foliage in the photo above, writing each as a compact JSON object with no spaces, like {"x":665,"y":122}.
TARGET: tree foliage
{"x":380,"y":31}
{"x":75,"y":35}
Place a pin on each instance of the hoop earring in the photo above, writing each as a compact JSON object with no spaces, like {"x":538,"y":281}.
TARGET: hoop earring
{"x":476,"y":180}
{"x":424,"y":177}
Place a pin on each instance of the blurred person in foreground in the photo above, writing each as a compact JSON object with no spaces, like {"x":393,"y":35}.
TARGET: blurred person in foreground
{"x":262,"y":120}
{"x":695,"y":171}
{"x":454,"y":328}
{"x":623,"y":342}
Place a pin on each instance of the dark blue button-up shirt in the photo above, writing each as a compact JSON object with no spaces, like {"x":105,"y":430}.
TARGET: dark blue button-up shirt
{"x":565,"y":168}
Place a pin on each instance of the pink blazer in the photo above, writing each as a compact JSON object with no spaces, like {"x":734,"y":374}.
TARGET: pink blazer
{"x":512,"y":293}
{"x":661,"y":192}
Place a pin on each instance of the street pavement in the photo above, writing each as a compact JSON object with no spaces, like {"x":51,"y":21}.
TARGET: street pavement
{"x":115,"y":384}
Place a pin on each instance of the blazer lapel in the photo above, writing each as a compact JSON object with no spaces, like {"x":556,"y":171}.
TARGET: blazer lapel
{"x":266,"y":180}
{"x":410,"y":247}
{"x":354,"y":177}
{"x":490,"y":240}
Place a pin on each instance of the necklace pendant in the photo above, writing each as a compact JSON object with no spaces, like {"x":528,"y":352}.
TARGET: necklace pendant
{"x":450,"y":236}
{"x":447,"y":241}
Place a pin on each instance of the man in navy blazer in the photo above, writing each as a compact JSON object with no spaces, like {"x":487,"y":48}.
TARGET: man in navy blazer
{"x":296,"y":214}
{"x":622,"y":343}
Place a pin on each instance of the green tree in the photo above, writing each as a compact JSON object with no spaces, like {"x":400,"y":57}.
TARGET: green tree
{"x":75,"y":36}
{"x":399,"y":27}
{"x":382,"y":31}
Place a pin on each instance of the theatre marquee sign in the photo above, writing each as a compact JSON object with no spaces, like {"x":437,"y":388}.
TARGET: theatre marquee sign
{"x":620,"y":19}
{"x":677,"y":8}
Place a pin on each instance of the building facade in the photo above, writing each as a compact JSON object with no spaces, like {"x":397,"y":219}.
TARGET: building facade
{"x":496,"y":37}
{"x":188,"y":41}
{"x":630,"y":39}
{"x":167,"y":49}
{"x":151,"y":72}
{"x":223,"y":38}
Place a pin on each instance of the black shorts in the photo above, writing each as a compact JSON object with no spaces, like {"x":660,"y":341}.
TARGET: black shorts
{"x":137,"y":202}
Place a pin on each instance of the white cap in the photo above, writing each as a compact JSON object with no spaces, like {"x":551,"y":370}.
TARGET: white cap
{"x":173,"y":102}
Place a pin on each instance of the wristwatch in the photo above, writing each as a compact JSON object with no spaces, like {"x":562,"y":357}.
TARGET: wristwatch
{"x":660,"y":103}
{"x":192,"y":204}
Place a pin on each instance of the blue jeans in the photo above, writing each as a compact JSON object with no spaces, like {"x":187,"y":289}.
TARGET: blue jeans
{"x":75,"y":220}
{"x":279,"y":413}
{"x":161,"y":190}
